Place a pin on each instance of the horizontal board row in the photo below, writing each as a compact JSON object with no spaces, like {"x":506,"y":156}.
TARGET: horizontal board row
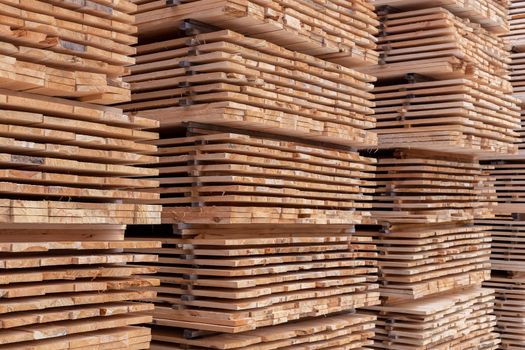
{"x":491,"y":14}
{"x":230,"y":281}
{"x":425,"y":41}
{"x":425,"y":187}
{"x":456,"y":115}
{"x":416,"y":261}
{"x":224,"y":78}
{"x":74,"y":294}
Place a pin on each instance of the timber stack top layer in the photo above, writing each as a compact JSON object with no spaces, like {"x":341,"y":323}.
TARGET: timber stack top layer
{"x":516,"y":15}
{"x":490,"y":14}
{"x":516,"y":38}
{"x":73,"y":49}
{"x":337,"y":31}
{"x":224,"y":78}
{"x":226,"y":178}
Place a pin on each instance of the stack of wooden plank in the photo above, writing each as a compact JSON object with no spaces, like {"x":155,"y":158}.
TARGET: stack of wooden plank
{"x":458,"y":115}
{"x":228,"y":178}
{"x":510,"y":291}
{"x":341,"y":32}
{"x":71,"y":179}
{"x":242,"y":278}
{"x":351,"y":331}
{"x":435,"y":43}
{"x":224,"y":78}
{"x":57,"y":154}
{"x":423,"y":260}
{"x":428,"y":187}
{"x":74,"y":49}
{"x":63,"y":293}
{"x":462,"y":320}
{"x":261,"y":114}
{"x":491,"y":14}
{"x":443,"y":99}
{"x":516,"y":14}
{"x":444,"y":82}
{"x":70,"y":160}
{"x":507,"y":252}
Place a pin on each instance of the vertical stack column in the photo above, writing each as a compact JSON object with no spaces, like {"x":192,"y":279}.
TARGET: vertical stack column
{"x":68,"y":180}
{"x":261,"y":116}
{"x":508,"y":268}
{"x":443,"y":100}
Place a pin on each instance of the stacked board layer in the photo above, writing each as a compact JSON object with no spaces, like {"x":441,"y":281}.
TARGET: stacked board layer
{"x":429,"y":187}
{"x":341,"y":32}
{"x":71,"y":159}
{"x":424,"y":260}
{"x":224,"y":78}
{"x":227,"y":178}
{"x":73,"y":292}
{"x":459,"y":115}
{"x":243,"y":278}
{"x":516,"y":13}
{"x":509,"y":308}
{"x":491,"y":14}
{"x":443,"y":100}
{"x":444,"y":46}
{"x":261,"y":285}
{"x":461,"y":320}
{"x":67,"y":48}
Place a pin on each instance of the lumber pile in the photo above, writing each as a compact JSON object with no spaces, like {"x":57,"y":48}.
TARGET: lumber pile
{"x":509,"y":307}
{"x":445,"y":85}
{"x":459,"y":115}
{"x":443,"y":100}
{"x":423,"y":260}
{"x":71,"y":179}
{"x":508,"y":228}
{"x":230,"y":178}
{"x":444,"y":46}
{"x":229,"y":280}
{"x":462,"y":320}
{"x":68,"y":49}
{"x":72,"y":162}
{"x":227,"y":79}
{"x":418,"y":187}
{"x":73,"y":294}
{"x":341,"y":32}
{"x":261,"y":116}
{"x":516,"y":13}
